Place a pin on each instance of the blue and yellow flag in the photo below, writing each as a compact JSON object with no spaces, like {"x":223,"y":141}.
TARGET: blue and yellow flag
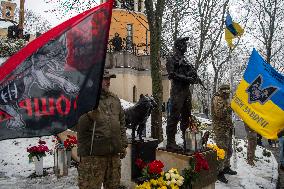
{"x":259,"y":99}
{"x":232,"y":30}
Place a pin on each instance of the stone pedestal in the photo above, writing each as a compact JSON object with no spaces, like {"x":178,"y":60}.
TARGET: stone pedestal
{"x":206,"y":179}
{"x":146,"y":151}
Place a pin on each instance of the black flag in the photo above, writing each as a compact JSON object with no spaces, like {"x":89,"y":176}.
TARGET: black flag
{"x":48,"y":84}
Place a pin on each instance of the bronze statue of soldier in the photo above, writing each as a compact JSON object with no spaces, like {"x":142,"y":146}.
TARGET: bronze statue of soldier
{"x":182,"y":74}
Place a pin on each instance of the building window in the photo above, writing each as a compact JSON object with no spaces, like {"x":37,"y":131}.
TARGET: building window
{"x":134,"y":93}
{"x":129,"y":38}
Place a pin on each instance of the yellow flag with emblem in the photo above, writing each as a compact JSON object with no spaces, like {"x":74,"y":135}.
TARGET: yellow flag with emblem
{"x":259,"y":98}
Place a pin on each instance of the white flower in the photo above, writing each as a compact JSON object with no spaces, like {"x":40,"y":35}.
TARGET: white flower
{"x":172,"y":175}
{"x":168,"y":176}
{"x":168,"y":183}
{"x":171,"y":171}
{"x":180,"y":178}
{"x":176,"y":176}
{"x":173,"y":181}
{"x":179,"y":182}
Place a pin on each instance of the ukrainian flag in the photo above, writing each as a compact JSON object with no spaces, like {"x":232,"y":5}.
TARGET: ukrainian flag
{"x":259,"y":99}
{"x":232,"y":30}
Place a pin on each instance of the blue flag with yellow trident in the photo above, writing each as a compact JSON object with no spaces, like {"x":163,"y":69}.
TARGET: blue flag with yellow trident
{"x":259,"y":99}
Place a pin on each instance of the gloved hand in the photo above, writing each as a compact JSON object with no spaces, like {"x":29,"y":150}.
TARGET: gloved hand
{"x":123,"y":153}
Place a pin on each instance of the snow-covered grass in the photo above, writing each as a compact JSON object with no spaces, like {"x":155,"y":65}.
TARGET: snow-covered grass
{"x":15,"y":167}
{"x":2,"y":60}
{"x":263,"y":175}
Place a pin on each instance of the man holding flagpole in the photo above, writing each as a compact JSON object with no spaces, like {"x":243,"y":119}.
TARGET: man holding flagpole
{"x":102,"y":141}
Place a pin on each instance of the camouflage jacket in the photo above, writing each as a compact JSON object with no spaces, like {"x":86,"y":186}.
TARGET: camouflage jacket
{"x":110,"y":132}
{"x":180,"y":70}
{"x":221,"y":112}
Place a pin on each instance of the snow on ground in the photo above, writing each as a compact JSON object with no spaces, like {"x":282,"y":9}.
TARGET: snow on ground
{"x":5,"y":24}
{"x":15,"y":168}
{"x":263,"y":175}
{"x":2,"y":60}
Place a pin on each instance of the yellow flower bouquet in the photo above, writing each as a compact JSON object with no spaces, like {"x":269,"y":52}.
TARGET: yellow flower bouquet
{"x":220,"y":151}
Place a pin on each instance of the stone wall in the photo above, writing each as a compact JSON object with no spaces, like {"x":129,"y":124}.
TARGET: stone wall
{"x":133,"y":76}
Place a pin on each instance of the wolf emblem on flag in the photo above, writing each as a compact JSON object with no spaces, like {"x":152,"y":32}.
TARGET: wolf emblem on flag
{"x":257,"y":94}
{"x":46,"y":72}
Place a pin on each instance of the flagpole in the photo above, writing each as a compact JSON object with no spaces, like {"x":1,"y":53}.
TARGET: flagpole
{"x":233,"y":117}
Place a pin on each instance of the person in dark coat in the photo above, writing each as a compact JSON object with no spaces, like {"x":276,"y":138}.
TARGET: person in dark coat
{"x":116,"y":42}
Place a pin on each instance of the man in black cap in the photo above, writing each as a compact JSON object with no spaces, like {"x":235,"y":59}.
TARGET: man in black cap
{"x":182,"y":74}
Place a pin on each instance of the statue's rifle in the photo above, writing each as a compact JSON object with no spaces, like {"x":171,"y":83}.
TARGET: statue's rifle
{"x":199,"y":81}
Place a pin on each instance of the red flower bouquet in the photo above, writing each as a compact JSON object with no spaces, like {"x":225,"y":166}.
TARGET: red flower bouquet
{"x":196,"y":164}
{"x":200,"y":163}
{"x":38,"y":151}
{"x":70,"y":142}
{"x":151,"y":170}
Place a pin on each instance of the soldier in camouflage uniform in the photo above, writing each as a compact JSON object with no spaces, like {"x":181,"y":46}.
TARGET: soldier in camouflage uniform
{"x":102,"y":142}
{"x":182,"y":74}
{"x":252,"y":142}
{"x":223,"y":128}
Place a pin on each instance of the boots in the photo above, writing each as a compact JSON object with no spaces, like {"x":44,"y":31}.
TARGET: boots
{"x":221,"y":177}
{"x":229,"y":171}
{"x":172,"y":146}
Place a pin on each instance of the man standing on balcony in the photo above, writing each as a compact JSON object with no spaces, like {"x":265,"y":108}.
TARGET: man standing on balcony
{"x":116,"y":42}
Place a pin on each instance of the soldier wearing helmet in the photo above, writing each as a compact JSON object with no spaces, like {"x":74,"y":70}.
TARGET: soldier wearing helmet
{"x":223,"y":128}
{"x":182,"y":74}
